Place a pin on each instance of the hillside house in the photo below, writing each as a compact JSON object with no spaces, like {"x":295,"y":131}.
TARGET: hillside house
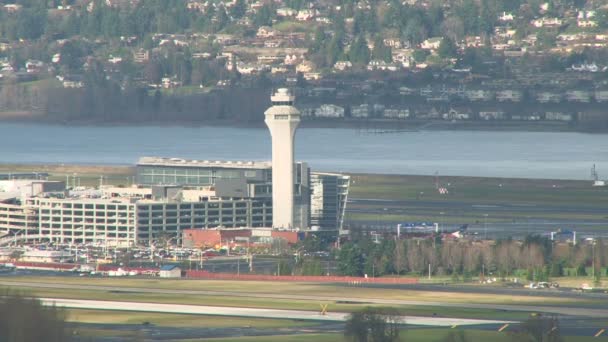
{"x":457,"y":114}
{"x":601,"y":95}
{"x":286,"y":12}
{"x":431,"y":43}
{"x":547,"y":22}
{"x":558,"y":116}
{"x":360,"y":111}
{"x":266,"y":32}
{"x":492,"y":115}
{"x":478,"y":95}
{"x":329,"y":111}
{"x":548,"y":97}
{"x":396,"y":113}
{"x":509,"y":95}
{"x":343,"y":65}
{"x":583,"y":96}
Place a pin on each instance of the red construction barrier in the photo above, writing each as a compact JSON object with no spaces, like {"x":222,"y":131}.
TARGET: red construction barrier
{"x":45,"y":265}
{"x":316,"y":279}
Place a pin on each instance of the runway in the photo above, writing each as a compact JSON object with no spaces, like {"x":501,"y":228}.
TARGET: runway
{"x":597,"y":312}
{"x":249,"y":312}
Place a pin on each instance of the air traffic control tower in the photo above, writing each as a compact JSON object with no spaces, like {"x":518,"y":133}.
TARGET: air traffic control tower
{"x":282,"y":120}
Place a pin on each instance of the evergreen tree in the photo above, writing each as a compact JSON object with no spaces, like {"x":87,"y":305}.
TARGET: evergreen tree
{"x":381,"y":51}
{"x":350,"y":260}
{"x":447,"y":48}
{"x":359,"y":51}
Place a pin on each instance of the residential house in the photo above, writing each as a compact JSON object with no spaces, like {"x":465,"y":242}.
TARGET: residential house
{"x":427,"y":113}
{"x":509,"y":95}
{"x":307,"y":112}
{"x":548,"y":97}
{"x":33,"y":66}
{"x":170,"y":82}
{"x":473,"y":41}
{"x":270,"y":59}
{"x":396,"y":113}
{"x":601,"y":95}
{"x":266,"y":32}
{"x":278,"y":70}
{"x":72,"y":82}
{"x":381,"y":65}
{"x":558,"y":116}
{"x":306,"y":15}
{"x":585,"y":19}
{"x":431,"y":43}
{"x":343,"y":65}
{"x":547,"y":22}
{"x":478,"y":95}
{"x":523,"y":117}
{"x":506,"y":17}
{"x":114,"y":60}
{"x":361,"y":111}
{"x":305,"y":66}
{"x":12,"y":8}
{"x":492,"y":115}
{"x":403,"y":57}
{"x":225,"y":39}
{"x":578,"y":96}
{"x":405,"y":91}
{"x":292,"y":59}
{"x":329,"y":111}
{"x":394,"y":43}
{"x":312,"y":76}
{"x":273,"y":43}
{"x":286,"y":12}
{"x":142,"y":56}
{"x":457,"y":114}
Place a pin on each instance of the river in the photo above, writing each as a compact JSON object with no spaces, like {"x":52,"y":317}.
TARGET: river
{"x":556,"y":155}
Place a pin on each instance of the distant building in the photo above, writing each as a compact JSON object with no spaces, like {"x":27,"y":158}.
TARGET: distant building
{"x":170,"y":271}
{"x":329,"y":111}
{"x":329,"y":193}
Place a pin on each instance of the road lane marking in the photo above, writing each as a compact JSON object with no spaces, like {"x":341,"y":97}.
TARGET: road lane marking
{"x":503,"y":327}
{"x":599,"y":333}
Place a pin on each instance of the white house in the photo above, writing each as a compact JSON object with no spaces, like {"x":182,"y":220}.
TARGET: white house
{"x":431,"y":43}
{"x":329,"y":111}
{"x":170,"y":271}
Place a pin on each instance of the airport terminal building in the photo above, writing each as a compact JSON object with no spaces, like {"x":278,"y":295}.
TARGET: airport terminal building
{"x":175,"y":194}
{"x":221,"y":195}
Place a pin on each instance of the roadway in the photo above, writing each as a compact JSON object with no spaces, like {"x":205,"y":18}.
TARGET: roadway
{"x":599,"y":311}
{"x":249,"y":312}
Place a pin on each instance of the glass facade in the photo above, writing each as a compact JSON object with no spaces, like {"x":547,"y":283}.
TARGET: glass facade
{"x":154,"y":219}
{"x":329,"y":194}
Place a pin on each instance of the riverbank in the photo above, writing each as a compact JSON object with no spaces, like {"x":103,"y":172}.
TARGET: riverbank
{"x":371,"y":126}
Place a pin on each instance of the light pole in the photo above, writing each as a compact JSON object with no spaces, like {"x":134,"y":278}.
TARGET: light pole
{"x":485,"y":226}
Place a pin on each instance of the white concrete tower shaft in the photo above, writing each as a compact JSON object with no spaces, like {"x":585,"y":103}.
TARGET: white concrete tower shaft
{"x":282,"y":120}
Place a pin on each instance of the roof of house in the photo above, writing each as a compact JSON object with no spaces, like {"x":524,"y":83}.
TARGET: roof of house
{"x":169,"y":267}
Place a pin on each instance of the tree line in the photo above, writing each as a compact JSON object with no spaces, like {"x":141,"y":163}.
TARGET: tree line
{"x":535,"y":258}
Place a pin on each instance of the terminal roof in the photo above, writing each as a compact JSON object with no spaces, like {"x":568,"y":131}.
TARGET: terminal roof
{"x":163,"y":161}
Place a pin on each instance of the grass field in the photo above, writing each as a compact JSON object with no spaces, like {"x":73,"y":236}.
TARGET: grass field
{"x":477,"y":189}
{"x":485,"y":193}
{"x":304,"y":289}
